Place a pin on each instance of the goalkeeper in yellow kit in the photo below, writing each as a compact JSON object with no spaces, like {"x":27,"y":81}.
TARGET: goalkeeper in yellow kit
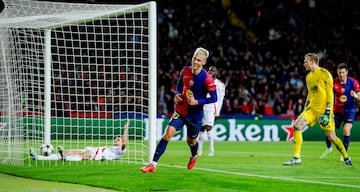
{"x":318,"y":108}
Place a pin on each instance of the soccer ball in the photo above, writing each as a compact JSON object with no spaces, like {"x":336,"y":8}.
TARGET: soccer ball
{"x":46,"y":149}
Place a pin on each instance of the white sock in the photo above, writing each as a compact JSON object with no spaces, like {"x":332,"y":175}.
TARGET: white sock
{"x":201,"y":142}
{"x":74,"y":158}
{"x":50,"y":157}
{"x":154,"y":163}
{"x":211,"y":141}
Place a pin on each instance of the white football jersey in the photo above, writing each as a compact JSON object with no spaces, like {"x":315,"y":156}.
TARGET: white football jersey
{"x":211,"y":110}
{"x":106,"y":153}
{"x":216,"y":107}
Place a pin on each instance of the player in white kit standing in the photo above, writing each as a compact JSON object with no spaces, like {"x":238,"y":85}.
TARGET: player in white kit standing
{"x":211,"y":112}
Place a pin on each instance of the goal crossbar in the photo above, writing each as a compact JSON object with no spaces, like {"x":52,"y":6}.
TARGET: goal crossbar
{"x":67,"y":15}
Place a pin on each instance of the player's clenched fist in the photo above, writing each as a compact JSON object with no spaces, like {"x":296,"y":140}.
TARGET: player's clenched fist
{"x":178,"y":99}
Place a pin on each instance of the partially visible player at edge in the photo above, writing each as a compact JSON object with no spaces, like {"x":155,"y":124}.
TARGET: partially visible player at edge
{"x":211,"y":113}
{"x":347,"y":94}
{"x":318,"y":107}
{"x":192,"y":88}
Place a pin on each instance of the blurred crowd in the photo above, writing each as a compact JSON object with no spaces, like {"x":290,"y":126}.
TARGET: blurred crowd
{"x":258,"y":46}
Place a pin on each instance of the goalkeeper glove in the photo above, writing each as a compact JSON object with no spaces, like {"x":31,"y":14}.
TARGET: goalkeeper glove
{"x":325,"y":118}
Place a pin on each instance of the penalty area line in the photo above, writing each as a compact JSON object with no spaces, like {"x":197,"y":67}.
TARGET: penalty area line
{"x":270,"y":177}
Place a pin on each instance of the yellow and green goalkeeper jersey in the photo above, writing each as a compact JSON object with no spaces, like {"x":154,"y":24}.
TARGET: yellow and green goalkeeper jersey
{"x":320,"y":89}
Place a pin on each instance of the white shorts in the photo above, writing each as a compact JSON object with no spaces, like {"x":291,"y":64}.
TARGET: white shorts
{"x":99,"y":153}
{"x":209,"y":115}
{"x":106,"y":153}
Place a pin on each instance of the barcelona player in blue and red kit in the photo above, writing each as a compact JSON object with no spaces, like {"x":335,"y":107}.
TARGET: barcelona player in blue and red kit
{"x":191,"y":94}
{"x":347,"y":93}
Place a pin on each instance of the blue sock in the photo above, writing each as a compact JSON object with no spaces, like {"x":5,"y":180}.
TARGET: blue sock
{"x":160,"y":149}
{"x":346,"y":142}
{"x":194,"y":149}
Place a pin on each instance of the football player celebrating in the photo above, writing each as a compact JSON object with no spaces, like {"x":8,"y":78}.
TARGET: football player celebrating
{"x":192,"y":88}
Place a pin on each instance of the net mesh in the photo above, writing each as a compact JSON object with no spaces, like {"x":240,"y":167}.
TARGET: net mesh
{"x":99,"y":72}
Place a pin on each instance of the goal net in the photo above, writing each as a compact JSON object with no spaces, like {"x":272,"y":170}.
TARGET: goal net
{"x":73,"y":74}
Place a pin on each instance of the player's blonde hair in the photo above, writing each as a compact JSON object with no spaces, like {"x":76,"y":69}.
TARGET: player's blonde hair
{"x":201,"y":51}
{"x":313,"y":56}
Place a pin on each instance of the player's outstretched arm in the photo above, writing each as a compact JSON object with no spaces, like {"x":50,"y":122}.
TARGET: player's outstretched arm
{"x":125,"y":136}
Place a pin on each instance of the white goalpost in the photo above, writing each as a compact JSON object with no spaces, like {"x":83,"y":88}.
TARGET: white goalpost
{"x":72,"y":74}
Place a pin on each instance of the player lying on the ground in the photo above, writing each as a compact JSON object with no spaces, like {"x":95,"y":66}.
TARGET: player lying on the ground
{"x":90,"y":153}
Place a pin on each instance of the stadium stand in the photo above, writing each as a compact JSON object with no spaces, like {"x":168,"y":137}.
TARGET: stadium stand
{"x":258,"y":47}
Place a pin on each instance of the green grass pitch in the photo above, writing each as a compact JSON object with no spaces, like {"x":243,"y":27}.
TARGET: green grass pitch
{"x":236,"y":166}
